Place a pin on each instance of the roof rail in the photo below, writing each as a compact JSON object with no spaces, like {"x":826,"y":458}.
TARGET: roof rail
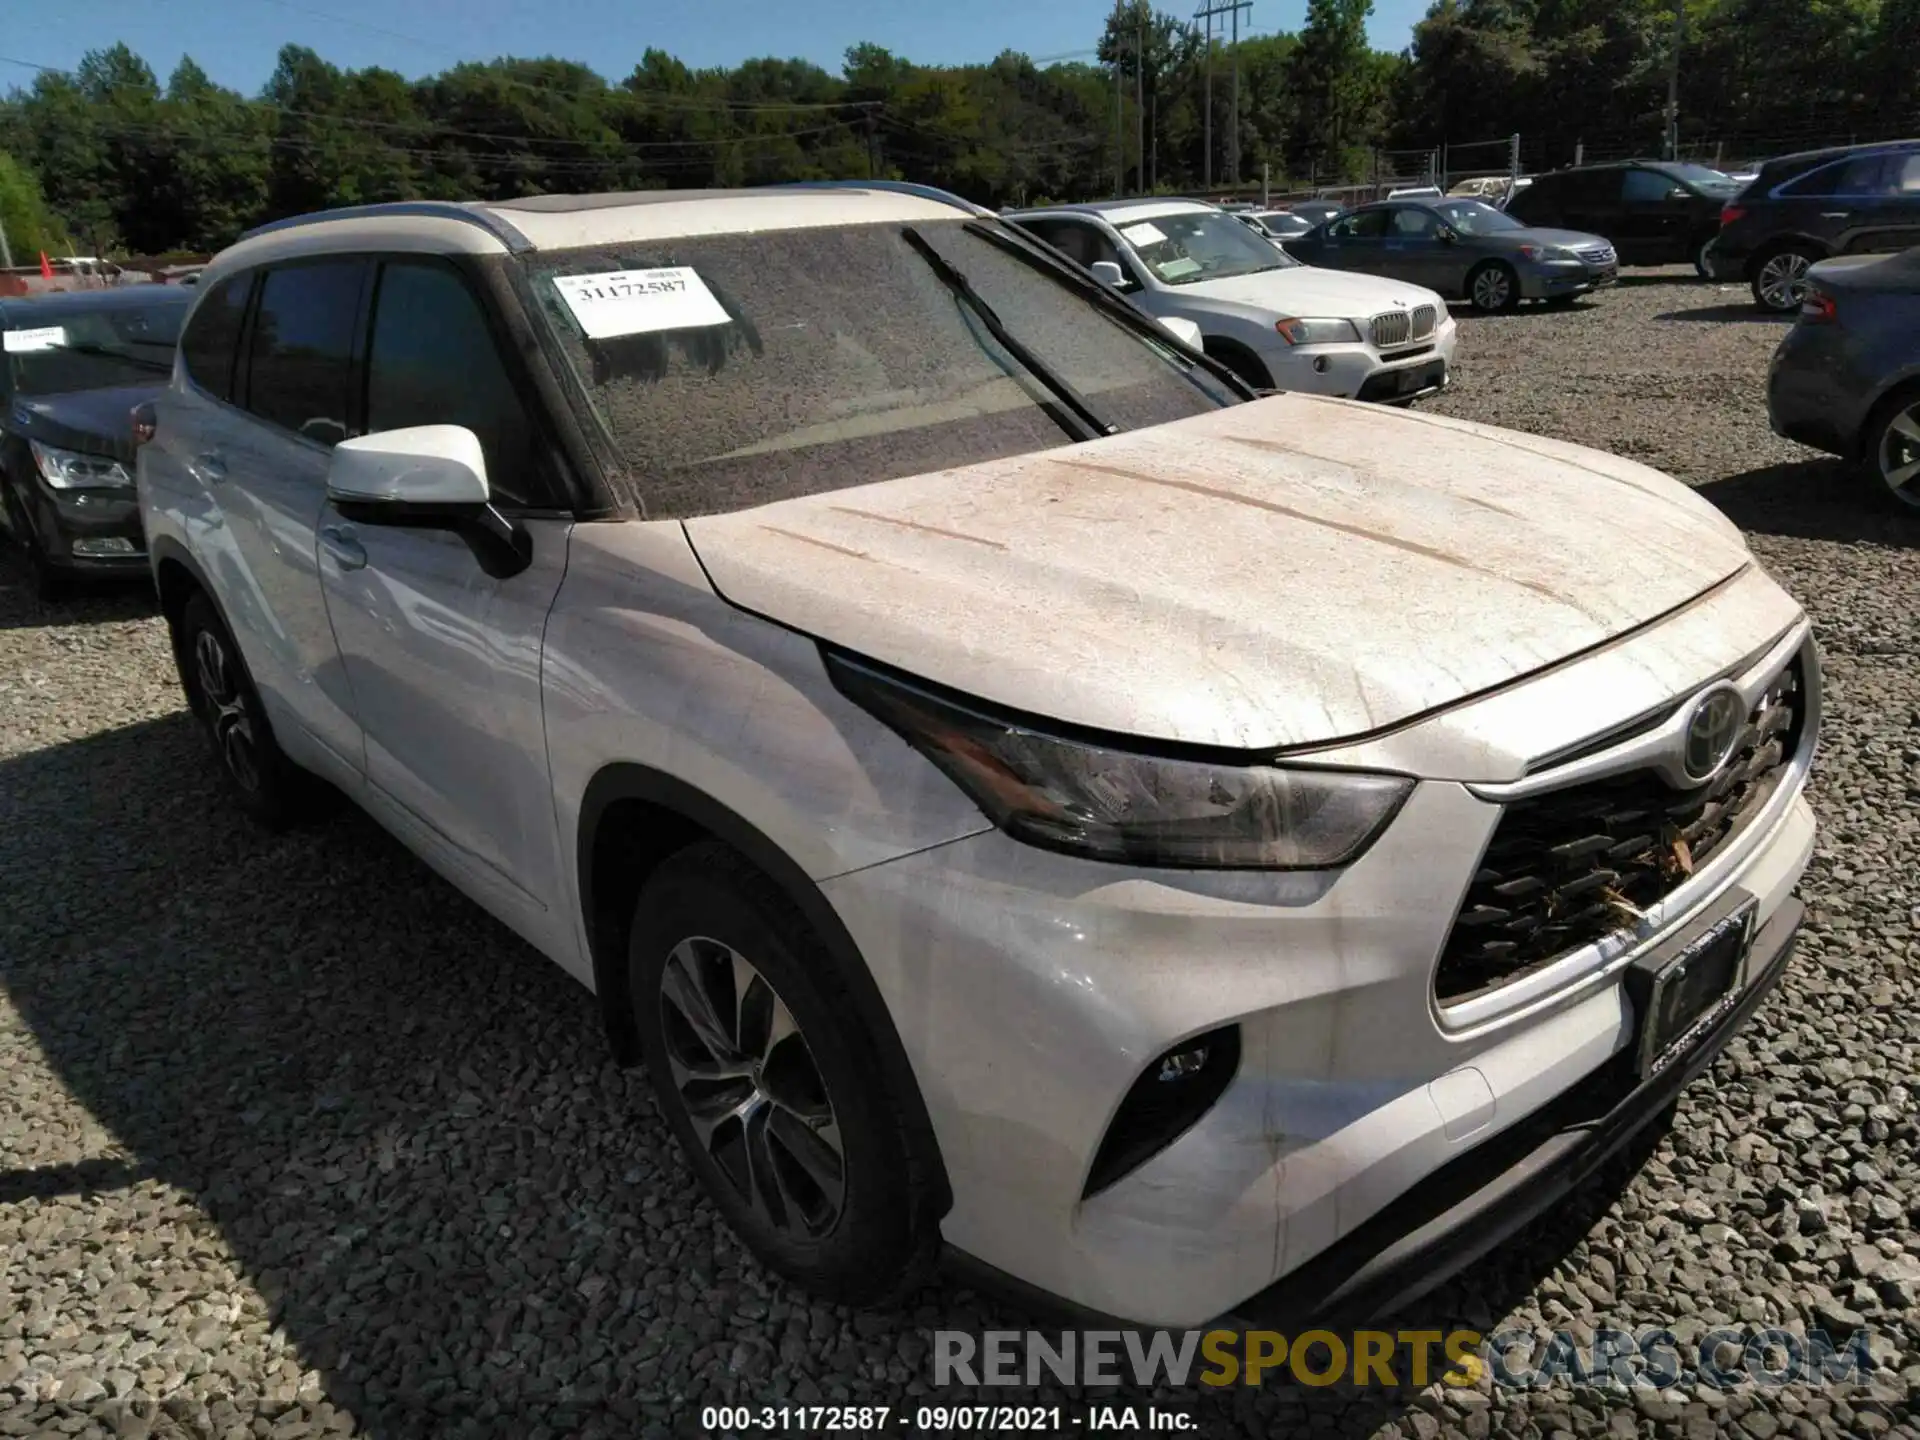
{"x":479,"y":216}
{"x":897,"y":187}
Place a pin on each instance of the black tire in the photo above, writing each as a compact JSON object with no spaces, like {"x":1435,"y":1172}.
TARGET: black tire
{"x":1779,"y":279}
{"x":269,"y":787}
{"x":1243,"y":363}
{"x":49,"y":584}
{"x":1493,"y":288}
{"x":1889,"y":445}
{"x":1699,"y":259}
{"x":703,"y":913}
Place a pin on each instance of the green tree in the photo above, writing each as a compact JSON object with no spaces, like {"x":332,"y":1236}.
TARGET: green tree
{"x":1336,"y":87}
{"x":29,"y":225}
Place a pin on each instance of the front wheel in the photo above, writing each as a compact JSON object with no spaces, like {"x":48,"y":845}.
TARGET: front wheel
{"x":773,"y":1088}
{"x":1699,"y":258}
{"x":1892,"y":449}
{"x":1780,"y":283}
{"x":1493,"y":288}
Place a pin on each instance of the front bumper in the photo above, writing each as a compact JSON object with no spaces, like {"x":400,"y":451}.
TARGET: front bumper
{"x":1031,"y":989}
{"x":1470,"y":1207}
{"x":1547,"y":281}
{"x":1357,"y":371}
{"x":89,"y":531}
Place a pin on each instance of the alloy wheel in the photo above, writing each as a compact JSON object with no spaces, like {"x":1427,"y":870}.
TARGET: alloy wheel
{"x":1899,"y":456}
{"x":750,"y":1087}
{"x":232,"y":726}
{"x":1783,"y":280}
{"x":1491,"y":288}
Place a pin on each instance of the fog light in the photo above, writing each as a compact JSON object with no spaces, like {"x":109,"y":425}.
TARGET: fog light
{"x":106,"y":545}
{"x":1181,"y":1064}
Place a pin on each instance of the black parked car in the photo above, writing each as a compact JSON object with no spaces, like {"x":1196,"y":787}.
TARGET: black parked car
{"x":1847,"y":377}
{"x":1800,"y":209}
{"x":1465,"y":249}
{"x":1317,"y":212}
{"x":1656,"y":212}
{"x":75,"y":367}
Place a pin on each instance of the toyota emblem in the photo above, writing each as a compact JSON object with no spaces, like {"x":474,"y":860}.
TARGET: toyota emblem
{"x":1713,"y":729}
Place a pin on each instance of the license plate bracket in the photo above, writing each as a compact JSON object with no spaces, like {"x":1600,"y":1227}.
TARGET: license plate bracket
{"x":1679,"y":989}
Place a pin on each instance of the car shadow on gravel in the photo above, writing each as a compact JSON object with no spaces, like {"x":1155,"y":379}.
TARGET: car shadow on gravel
{"x":1732,"y":312}
{"x":410,"y":1136}
{"x":95,"y":603}
{"x":1813,"y":500}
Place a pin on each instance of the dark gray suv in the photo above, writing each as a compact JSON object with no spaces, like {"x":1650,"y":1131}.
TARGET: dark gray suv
{"x":1801,"y":209}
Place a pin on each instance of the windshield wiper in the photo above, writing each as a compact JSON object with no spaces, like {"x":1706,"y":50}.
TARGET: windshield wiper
{"x":963,"y":291}
{"x":1066,"y":273}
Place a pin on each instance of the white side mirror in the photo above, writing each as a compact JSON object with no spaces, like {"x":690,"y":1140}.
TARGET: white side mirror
{"x":423,"y":465}
{"x":1185,"y":331}
{"x":1108,"y":272}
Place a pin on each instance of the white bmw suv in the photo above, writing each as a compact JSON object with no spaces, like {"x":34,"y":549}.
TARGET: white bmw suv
{"x":1022,"y":796}
{"x":1274,"y":321}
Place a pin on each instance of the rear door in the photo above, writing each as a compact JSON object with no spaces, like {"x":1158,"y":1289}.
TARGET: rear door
{"x":1355,"y":242}
{"x":444,"y":660}
{"x":1656,"y":215}
{"x":262,"y":457}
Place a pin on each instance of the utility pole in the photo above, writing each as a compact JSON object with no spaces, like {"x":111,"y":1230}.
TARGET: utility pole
{"x":1207,"y":122}
{"x":1673,"y":80}
{"x":6,"y":250}
{"x":1140,"y":109}
{"x":1119,"y":144}
{"x":1513,"y":165}
{"x":1207,"y":11}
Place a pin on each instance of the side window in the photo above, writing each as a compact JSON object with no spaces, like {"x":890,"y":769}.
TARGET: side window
{"x":1064,"y":236}
{"x":432,"y":361}
{"x":212,"y":338}
{"x":1362,"y":225}
{"x":300,"y":364}
{"x":1862,"y":175}
{"x":1904,"y":177}
{"x":1413,"y":223}
{"x":1645,"y":187}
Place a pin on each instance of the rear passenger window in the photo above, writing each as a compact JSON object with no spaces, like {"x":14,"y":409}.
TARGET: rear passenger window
{"x":432,"y":361}
{"x":300,"y":367}
{"x":212,"y":337}
{"x":1646,"y":187}
{"x":1861,"y":175}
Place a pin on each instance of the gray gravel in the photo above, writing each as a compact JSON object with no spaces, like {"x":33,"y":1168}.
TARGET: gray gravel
{"x":294,"y":1141}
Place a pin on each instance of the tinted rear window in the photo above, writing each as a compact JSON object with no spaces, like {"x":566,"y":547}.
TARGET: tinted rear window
{"x":300,"y":367}
{"x":213,"y":336}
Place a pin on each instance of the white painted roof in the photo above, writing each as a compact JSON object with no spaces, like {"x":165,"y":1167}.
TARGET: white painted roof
{"x":560,"y":223}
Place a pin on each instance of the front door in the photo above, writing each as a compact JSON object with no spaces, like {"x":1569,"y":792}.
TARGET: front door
{"x":1655,"y":214}
{"x":445,"y":660}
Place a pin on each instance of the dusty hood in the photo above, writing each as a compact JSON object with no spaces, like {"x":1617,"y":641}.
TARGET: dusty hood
{"x":1307,"y":291}
{"x":1284,"y":572}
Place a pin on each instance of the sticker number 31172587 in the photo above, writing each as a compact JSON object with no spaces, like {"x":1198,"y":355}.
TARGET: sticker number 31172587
{"x":635,"y":302}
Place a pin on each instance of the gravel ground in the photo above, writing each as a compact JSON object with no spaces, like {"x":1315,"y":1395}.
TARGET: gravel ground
{"x":293,"y":1140}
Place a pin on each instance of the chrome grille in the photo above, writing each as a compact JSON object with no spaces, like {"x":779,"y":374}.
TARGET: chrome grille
{"x":1596,"y":254}
{"x":1424,"y":317}
{"x":1573,"y":866}
{"x":1395,"y":327}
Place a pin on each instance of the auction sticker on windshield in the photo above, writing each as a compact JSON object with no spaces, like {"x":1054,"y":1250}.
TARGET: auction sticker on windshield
{"x":636,"y":302}
{"x":1145,"y":233}
{"x":25,"y":342}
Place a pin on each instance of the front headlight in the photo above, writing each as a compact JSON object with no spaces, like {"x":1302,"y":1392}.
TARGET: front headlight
{"x":1088,"y":799}
{"x":71,"y":470}
{"x":1553,"y":253}
{"x":1317,"y":332}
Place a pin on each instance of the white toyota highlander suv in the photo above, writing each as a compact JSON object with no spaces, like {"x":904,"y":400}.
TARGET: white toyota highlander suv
{"x":1018,"y":793}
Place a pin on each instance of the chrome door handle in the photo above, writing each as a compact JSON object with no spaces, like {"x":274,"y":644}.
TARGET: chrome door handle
{"x":347,"y":552}
{"x":1836,"y":214}
{"x":211,"y":465}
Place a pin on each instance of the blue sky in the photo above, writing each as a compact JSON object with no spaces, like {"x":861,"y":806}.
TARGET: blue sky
{"x":235,"y":40}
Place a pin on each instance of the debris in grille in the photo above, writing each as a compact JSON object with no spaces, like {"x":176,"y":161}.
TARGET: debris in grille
{"x":1572,"y":866}
{"x":1393,"y":328}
